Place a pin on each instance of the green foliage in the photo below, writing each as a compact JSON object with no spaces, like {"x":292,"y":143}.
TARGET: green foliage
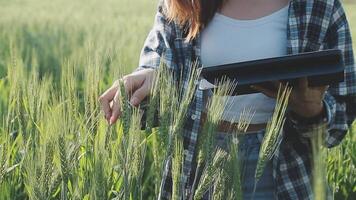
{"x":211,"y":173}
{"x":341,"y":166}
{"x":56,"y":57}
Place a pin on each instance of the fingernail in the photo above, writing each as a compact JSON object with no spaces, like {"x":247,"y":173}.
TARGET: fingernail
{"x":134,"y":101}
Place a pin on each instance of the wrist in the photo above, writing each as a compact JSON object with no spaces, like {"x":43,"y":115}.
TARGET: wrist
{"x":308,"y":110}
{"x":310,"y":116}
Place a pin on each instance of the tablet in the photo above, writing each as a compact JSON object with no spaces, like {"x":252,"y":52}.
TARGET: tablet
{"x":324,"y":67}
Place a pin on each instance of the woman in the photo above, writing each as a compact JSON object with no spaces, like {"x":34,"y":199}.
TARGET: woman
{"x":218,"y":32}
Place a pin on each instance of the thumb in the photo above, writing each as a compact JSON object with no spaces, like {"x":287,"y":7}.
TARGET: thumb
{"x":139,"y":94}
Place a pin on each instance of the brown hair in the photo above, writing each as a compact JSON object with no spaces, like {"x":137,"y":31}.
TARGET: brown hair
{"x":192,"y":14}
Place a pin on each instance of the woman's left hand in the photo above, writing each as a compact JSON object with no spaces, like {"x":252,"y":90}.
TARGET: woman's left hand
{"x":305,"y":101}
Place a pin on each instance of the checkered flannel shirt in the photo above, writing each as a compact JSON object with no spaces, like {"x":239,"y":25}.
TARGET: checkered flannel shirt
{"x":312,"y":25}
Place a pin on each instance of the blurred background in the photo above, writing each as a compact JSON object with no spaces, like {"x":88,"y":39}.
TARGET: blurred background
{"x":99,"y":40}
{"x":111,"y":31}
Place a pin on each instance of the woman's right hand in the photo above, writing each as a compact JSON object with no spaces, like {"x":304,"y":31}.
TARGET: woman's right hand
{"x":137,"y":84}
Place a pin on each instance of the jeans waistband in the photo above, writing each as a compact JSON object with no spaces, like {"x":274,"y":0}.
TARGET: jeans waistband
{"x":245,"y":140}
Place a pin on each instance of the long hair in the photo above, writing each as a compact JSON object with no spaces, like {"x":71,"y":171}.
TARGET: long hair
{"x":194,"y":15}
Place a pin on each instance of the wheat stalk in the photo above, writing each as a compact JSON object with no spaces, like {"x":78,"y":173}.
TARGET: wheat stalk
{"x":216,"y":106}
{"x":234,"y":171}
{"x":164,"y":96}
{"x":184,"y":99}
{"x":124,"y":151}
{"x":125,"y":108}
{"x":233,"y":167}
{"x":220,"y":185}
{"x":206,"y":141}
{"x":177,"y":166}
{"x":318,"y":163}
{"x":3,"y":161}
{"x":137,"y":153}
{"x":186,"y":96}
{"x":47,"y":168}
{"x":64,"y":166}
{"x":210,"y":173}
{"x":274,"y":128}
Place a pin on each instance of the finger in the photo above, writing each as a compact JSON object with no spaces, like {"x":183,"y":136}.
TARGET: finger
{"x":268,"y":92}
{"x":139,"y":94}
{"x":132,"y":83}
{"x":105,"y":100}
{"x":303,"y":83}
{"x":116,"y":109}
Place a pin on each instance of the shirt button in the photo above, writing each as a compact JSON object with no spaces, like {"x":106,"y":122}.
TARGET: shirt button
{"x":194,"y":116}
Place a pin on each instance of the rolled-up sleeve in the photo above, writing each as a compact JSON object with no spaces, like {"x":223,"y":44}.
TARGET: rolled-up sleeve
{"x":340,"y":99}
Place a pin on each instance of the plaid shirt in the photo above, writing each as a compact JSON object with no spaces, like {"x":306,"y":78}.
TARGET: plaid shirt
{"x":312,"y":25}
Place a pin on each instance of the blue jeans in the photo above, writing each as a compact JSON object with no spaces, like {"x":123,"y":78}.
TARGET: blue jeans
{"x":249,"y":146}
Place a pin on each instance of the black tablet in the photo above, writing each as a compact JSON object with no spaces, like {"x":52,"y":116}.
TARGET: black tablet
{"x":324,"y":67}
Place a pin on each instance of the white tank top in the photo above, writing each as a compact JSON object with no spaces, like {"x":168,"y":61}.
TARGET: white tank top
{"x":227,"y":40}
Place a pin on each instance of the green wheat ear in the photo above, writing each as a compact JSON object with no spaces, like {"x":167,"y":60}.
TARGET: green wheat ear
{"x":184,"y":99}
{"x":234,"y":166}
{"x":3,"y":160}
{"x":211,"y":173}
{"x":177,"y":166}
{"x":271,"y":139}
{"x":164,"y":99}
{"x":220,"y":185}
{"x":206,"y":141}
{"x":244,"y":120}
{"x":215,"y":108}
{"x":125,"y":108}
{"x":63,"y":165}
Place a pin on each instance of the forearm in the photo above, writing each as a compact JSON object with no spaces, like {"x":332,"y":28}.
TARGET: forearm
{"x":333,"y":124}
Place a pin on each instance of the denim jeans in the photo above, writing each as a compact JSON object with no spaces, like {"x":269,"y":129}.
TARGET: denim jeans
{"x":249,"y":146}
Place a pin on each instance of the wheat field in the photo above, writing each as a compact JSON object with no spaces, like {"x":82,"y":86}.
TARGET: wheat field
{"x":56,"y":57}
